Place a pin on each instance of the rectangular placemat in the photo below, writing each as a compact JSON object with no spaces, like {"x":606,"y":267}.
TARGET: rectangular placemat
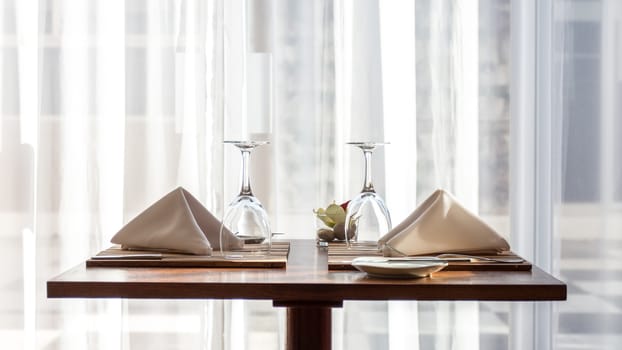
{"x":340,"y":258}
{"x":115,"y":256}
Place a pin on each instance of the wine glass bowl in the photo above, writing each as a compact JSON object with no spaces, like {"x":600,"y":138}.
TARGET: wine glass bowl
{"x":245,"y":217}
{"x":367,"y":216}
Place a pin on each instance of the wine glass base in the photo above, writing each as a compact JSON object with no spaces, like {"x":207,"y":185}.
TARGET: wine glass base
{"x":251,"y":239}
{"x":233,"y":257}
{"x":245,"y":256}
{"x":254,"y":248}
{"x":371,"y":246}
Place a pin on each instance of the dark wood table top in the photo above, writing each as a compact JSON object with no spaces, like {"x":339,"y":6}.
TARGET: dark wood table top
{"x":305,"y":280}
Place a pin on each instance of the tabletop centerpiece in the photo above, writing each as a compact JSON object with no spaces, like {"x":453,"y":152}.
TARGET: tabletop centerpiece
{"x":330,"y":222}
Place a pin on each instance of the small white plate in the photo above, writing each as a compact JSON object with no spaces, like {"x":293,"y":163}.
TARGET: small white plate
{"x":398,"y":267}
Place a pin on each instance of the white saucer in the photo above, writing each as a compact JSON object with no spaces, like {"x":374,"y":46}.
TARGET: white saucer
{"x":398,"y":267}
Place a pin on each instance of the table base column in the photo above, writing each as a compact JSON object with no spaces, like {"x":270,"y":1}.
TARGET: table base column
{"x":309,"y":326}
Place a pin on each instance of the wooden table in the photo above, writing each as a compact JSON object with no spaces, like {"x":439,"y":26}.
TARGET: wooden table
{"x":306,"y":288}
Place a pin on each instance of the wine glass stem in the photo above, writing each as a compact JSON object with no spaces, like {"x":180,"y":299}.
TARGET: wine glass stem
{"x":367,"y":185}
{"x":246,"y":182}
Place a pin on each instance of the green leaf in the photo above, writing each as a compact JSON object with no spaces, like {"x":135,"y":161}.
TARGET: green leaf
{"x":320,"y":213}
{"x":336,"y":213}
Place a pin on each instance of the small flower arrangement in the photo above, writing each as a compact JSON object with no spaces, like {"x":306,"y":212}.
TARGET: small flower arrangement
{"x":331,"y":222}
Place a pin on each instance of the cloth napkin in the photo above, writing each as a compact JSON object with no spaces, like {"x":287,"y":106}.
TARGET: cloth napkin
{"x":177,"y":222}
{"x":442,"y":225}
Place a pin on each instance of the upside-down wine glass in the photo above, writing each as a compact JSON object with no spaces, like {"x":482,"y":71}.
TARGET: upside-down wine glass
{"x":245,"y":217}
{"x":367,"y":215}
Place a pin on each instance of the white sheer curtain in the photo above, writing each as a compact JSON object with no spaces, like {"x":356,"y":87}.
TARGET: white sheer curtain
{"x":106,"y":106}
{"x":427,"y":92}
{"x":104,"y":110}
{"x":566,"y":166}
{"x":586,"y":214}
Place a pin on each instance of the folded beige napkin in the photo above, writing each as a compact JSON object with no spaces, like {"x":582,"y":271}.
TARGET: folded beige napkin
{"x":441,"y":225}
{"x":177,"y":222}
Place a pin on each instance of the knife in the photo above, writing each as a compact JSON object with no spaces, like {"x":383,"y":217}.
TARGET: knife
{"x":154,"y":256}
{"x":475,"y":258}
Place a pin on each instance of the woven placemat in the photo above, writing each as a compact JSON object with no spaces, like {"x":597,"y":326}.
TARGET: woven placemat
{"x":248,"y":257}
{"x":340,"y":258}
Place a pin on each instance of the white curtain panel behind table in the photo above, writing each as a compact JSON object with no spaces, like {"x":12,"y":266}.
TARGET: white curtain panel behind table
{"x":119,"y":102}
{"x":370,"y":86}
{"x":104,"y":110}
{"x":587,"y":187}
{"x":566,"y":162}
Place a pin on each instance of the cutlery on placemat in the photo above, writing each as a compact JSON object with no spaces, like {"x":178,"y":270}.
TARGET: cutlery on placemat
{"x":155,"y":256}
{"x":458,"y":258}
{"x":476,"y":258}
